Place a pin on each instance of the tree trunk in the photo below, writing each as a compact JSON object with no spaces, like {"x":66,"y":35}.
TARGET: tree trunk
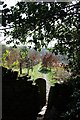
{"x":20,"y":68}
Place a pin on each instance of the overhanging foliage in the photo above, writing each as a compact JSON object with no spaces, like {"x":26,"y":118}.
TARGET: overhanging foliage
{"x":44,"y":22}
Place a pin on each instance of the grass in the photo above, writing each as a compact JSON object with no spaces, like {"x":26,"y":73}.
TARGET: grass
{"x":50,"y":74}
{"x":35,"y":73}
{"x":51,"y":77}
{"x":38,"y":71}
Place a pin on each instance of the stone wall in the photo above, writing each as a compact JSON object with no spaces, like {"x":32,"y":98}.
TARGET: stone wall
{"x":20,"y":99}
{"x":59,"y":97}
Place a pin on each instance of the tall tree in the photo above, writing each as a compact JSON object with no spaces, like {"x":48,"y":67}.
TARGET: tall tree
{"x":11,"y":58}
{"x":49,"y":60}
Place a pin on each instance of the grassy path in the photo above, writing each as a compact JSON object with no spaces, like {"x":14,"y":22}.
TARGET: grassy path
{"x":42,"y":112}
{"x":48,"y":85}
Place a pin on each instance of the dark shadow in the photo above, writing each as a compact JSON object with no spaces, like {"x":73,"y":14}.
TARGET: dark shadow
{"x":58,"y":100}
{"x":20,"y":98}
{"x":44,"y":70}
{"x":42,"y":89}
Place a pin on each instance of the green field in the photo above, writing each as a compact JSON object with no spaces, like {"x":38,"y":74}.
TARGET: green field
{"x":36,"y":73}
{"x":52,"y":75}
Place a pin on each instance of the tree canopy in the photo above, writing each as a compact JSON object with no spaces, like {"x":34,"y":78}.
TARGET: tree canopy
{"x":43,"y":22}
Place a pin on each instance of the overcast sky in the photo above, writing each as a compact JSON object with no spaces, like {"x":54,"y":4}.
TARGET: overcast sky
{"x":10,"y":2}
{"x":13,"y":2}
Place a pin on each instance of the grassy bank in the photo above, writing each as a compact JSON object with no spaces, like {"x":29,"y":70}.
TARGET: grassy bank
{"x":39,"y":72}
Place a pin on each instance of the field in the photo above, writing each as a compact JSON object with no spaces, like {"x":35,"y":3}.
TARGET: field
{"x":53,"y":75}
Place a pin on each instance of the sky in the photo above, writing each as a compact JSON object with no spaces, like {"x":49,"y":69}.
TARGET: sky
{"x":10,"y":2}
{"x":13,"y":2}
